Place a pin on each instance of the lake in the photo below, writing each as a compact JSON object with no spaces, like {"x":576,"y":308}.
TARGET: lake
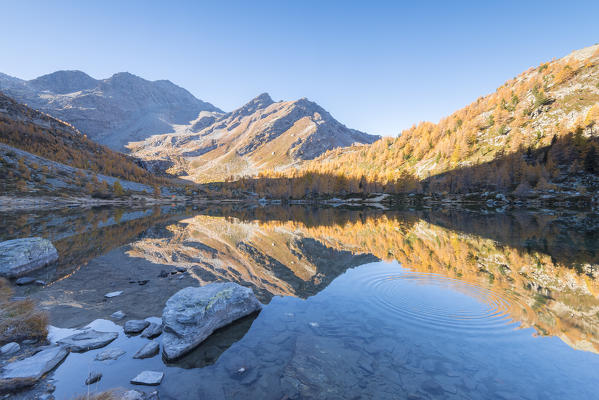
{"x":359,"y":303}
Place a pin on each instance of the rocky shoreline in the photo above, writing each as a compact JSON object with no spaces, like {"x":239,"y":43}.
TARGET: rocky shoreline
{"x":189,"y":317}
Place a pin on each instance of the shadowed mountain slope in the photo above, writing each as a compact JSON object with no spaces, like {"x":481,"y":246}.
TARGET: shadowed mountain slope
{"x":112,"y":111}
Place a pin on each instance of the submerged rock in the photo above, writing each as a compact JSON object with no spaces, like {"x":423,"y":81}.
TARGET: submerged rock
{"x":28,"y":371}
{"x":93,"y":377}
{"x":10,"y":348}
{"x":135,"y":326}
{"x":193,"y":313}
{"x":149,"y":350}
{"x":153,"y":330}
{"x":151,"y":378}
{"x":118,"y":315}
{"x":132,"y":395}
{"x":109,"y":354}
{"x":26,"y":280}
{"x":88,"y":340}
{"x":21,"y":256}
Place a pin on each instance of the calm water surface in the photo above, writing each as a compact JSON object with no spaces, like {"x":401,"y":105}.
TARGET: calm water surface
{"x":360,"y":304}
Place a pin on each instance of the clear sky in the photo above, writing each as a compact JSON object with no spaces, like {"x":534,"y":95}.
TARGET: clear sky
{"x":376,"y":66}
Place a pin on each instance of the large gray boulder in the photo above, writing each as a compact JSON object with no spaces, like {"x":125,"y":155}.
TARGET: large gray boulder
{"x":28,"y":371}
{"x":193,"y":313}
{"x":21,"y":256}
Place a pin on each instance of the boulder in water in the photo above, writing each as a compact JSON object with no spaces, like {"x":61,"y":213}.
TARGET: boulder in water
{"x":21,"y":256}
{"x":193,"y":313}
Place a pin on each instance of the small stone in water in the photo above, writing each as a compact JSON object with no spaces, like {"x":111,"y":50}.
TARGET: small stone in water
{"x":163,"y":274}
{"x":151,"y":378}
{"x":149,"y":350}
{"x":113,"y":294}
{"x":135,"y":326}
{"x":40,"y":282}
{"x":132,"y":395}
{"x":93,"y":377}
{"x":152,"y":330}
{"x":314,"y":324}
{"x":10,"y":348}
{"x":24,"y":281}
{"x":241,"y":370}
{"x":110,"y":354}
{"x":118,"y":315}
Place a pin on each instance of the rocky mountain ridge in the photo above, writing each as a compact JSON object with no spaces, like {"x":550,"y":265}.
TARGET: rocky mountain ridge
{"x":262,"y":134}
{"x":112,"y":111}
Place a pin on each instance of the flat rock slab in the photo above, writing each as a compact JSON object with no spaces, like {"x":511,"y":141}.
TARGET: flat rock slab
{"x":135,"y":325}
{"x":193,"y":313}
{"x":26,"y":372}
{"x":88,"y":340}
{"x":150,"y":378}
{"x":21,"y":256}
{"x":113,"y":294}
{"x":109,"y":354}
{"x":118,"y":315}
{"x":153,"y":330}
{"x":149,"y":350}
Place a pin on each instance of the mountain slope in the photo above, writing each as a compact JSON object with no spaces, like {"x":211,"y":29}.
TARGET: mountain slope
{"x":538,"y":131}
{"x":35,"y":132}
{"x":111,"y":111}
{"x":260,"y":135}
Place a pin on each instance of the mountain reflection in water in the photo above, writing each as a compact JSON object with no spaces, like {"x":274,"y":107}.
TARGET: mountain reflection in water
{"x":436,"y":279}
{"x":554,"y":291}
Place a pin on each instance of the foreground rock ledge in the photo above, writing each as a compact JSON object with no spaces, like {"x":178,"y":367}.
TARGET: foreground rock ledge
{"x":21,"y":256}
{"x":193,"y":313}
{"x":28,"y":371}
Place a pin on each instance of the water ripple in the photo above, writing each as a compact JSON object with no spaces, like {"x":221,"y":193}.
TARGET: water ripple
{"x":438,"y":302}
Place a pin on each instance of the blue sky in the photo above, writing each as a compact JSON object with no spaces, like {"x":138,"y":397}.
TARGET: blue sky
{"x":376,"y":66}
